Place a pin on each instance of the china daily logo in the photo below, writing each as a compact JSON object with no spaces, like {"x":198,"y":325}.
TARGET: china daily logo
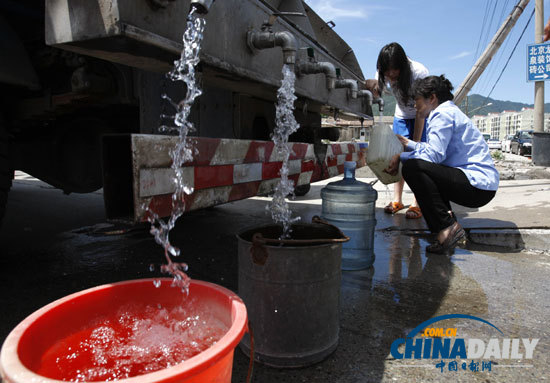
{"x":443,"y":343}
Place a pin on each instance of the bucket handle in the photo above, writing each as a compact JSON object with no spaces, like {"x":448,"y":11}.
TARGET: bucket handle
{"x":344,"y":238}
{"x":258,"y":250}
{"x":258,"y":240}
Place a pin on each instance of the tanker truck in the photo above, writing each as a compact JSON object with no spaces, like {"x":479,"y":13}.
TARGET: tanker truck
{"x":82,"y":84}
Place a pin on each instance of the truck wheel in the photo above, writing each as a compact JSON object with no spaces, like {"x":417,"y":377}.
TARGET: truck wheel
{"x":302,"y":190}
{"x":5,"y":171}
{"x":331,"y":134}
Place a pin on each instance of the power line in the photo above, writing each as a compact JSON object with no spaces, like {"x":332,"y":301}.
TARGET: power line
{"x":482,"y":28}
{"x":490,"y":23}
{"x":491,"y":69}
{"x":485,"y":40}
{"x":503,"y":11}
{"x":511,"y":54}
{"x":497,"y":63}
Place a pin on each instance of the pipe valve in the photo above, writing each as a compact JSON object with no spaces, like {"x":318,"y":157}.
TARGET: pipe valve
{"x":348,"y":83}
{"x":267,"y":39}
{"x":201,"y":6}
{"x":380,"y":102}
{"x":314,"y":67}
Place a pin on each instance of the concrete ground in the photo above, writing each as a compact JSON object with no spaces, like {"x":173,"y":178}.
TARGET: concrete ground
{"x":53,"y":245}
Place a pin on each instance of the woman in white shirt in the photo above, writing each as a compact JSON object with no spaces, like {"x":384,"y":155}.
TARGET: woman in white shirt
{"x":395,"y":69}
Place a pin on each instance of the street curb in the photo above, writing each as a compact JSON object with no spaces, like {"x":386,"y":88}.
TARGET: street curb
{"x":513,"y":239}
{"x":535,"y":239}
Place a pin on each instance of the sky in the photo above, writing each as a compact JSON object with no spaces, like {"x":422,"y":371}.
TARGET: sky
{"x":447,"y":36}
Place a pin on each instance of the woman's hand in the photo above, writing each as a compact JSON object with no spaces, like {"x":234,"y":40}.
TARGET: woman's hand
{"x":404,"y":140}
{"x":393,"y":166}
{"x":421,"y":115}
{"x":372,"y":85}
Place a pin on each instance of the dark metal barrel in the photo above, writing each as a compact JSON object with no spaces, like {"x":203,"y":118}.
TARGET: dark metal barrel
{"x":541,"y":149}
{"x":291,"y":289}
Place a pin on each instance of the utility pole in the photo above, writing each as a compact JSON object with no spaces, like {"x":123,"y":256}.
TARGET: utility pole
{"x":540,"y":151}
{"x":539,"y":85}
{"x":484,"y":60}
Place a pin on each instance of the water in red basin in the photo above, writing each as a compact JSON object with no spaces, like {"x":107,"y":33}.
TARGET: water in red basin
{"x":136,"y":340}
{"x":130,"y":331}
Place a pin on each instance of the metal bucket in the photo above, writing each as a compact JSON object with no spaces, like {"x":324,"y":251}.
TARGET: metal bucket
{"x":291,"y":289}
{"x":541,"y":149}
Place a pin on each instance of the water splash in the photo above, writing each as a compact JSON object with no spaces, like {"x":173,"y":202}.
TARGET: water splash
{"x":285,"y":125}
{"x":178,"y":123}
{"x":135,"y":340}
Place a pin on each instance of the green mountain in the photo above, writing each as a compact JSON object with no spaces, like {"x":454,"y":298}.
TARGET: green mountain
{"x":474,"y":101}
{"x":477,"y":101}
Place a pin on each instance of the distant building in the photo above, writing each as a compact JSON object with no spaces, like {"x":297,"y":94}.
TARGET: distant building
{"x":508,"y":122}
{"x":499,"y":125}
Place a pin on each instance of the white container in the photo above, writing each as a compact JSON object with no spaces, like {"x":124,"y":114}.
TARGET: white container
{"x":383,"y":145}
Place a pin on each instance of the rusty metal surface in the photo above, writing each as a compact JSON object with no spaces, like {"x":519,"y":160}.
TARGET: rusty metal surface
{"x":292,"y":295}
{"x":131,"y":33}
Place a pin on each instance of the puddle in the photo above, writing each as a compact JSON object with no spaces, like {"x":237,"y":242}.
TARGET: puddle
{"x":378,"y":305}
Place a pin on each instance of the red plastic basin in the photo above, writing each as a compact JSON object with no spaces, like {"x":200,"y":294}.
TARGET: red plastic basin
{"x":26,"y":344}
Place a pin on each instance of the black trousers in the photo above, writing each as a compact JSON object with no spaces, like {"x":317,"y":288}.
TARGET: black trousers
{"x":435,"y":186}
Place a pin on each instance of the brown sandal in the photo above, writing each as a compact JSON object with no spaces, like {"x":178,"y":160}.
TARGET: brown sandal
{"x":456,"y":236}
{"x":393,"y":207}
{"x":413,"y":212}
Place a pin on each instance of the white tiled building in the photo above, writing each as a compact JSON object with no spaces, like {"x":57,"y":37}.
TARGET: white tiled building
{"x":499,"y":125}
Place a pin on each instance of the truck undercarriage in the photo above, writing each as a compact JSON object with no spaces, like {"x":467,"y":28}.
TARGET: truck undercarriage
{"x":83,"y":81}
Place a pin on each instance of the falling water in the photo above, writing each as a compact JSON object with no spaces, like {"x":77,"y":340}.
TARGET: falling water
{"x":388,"y":194}
{"x":184,"y":70}
{"x":285,"y":125}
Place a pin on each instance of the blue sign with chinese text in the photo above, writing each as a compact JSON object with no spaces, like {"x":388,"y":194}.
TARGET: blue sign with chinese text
{"x":538,"y":62}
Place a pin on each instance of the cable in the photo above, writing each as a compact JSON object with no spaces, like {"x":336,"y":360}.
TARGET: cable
{"x":494,"y":64}
{"x":490,"y":24}
{"x":482,"y":29}
{"x":511,"y":54}
{"x":491,"y":69}
{"x":503,"y":11}
{"x":486,"y":38}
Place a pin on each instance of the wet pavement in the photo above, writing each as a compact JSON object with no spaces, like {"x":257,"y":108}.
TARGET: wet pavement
{"x":53,"y":245}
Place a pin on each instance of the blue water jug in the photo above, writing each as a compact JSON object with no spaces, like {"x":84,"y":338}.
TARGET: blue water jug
{"x":349,"y":204}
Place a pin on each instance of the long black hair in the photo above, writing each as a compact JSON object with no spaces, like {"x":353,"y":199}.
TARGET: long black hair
{"x":438,"y":85}
{"x":392,"y":56}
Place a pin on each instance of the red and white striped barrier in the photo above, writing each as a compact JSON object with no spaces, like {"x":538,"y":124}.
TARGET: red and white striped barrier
{"x":225,"y":170}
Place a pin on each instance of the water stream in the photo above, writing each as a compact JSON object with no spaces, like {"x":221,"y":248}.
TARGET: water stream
{"x":178,"y":123}
{"x":387,"y":193}
{"x":285,"y":125}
